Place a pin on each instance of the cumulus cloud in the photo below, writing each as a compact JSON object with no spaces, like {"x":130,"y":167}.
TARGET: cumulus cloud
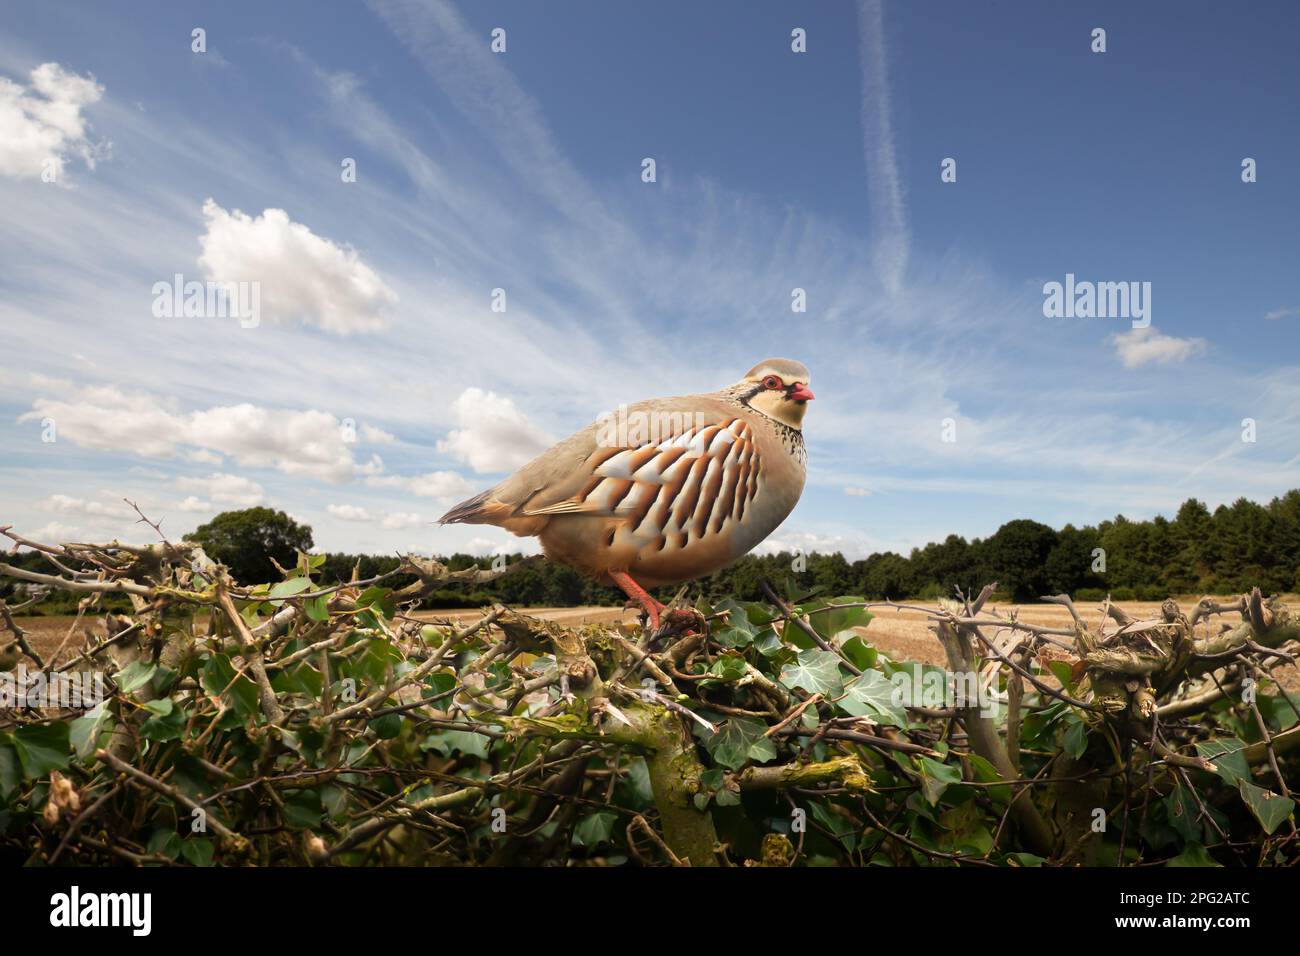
{"x":227,"y":489}
{"x":193,"y":503}
{"x":104,"y":418}
{"x":68,"y":505}
{"x":398,"y":520}
{"x":445,"y":486}
{"x":41,"y":125}
{"x":348,"y":512}
{"x":303,"y":277}
{"x":494,"y":435}
{"x":1140,"y":347}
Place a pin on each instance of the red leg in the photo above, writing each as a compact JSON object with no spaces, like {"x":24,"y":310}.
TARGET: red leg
{"x":638,"y":596}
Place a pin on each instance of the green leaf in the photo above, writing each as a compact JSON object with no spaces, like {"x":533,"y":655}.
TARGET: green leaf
{"x":862,"y":654}
{"x":389,"y":726}
{"x":840,"y":828}
{"x":84,"y":731}
{"x":161,"y":707}
{"x":1181,"y":811}
{"x":198,"y":851}
{"x":595,"y":829}
{"x":447,"y":742}
{"x":1193,"y":855}
{"x":42,"y":748}
{"x":11,"y":770}
{"x":1075,"y":741}
{"x":168,"y":727}
{"x":289,"y":588}
{"x":1061,"y":671}
{"x":303,"y":808}
{"x":317,"y":609}
{"x":829,"y":625}
{"x":816,"y":671}
{"x":1226,"y":754}
{"x":727,"y":668}
{"x":380,"y":600}
{"x":1269,"y":808}
{"x":217,"y":677}
{"x":1024,"y":859}
{"x":738,"y":741}
{"x":936,"y":778}
{"x":135,"y":675}
{"x":875,"y":696}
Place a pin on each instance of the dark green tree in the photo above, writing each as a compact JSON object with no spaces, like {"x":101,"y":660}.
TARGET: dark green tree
{"x":246,"y":541}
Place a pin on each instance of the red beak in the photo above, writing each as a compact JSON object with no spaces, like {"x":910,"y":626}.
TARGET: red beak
{"x":801,"y":393}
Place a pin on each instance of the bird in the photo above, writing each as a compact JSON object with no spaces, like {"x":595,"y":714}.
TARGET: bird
{"x":663,"y":491}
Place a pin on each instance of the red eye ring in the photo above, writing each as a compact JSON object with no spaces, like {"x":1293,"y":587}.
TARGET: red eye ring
{"x":771,"y":382}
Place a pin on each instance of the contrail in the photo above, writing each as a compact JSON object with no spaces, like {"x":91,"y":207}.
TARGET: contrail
{"x":884,"y":190}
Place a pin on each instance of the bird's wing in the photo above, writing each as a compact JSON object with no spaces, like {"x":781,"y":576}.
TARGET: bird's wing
{"x":688,"y":480}
{"x":683,"y":464}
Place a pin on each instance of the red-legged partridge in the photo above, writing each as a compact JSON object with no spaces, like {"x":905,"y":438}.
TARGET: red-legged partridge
{"x":665,"y":490}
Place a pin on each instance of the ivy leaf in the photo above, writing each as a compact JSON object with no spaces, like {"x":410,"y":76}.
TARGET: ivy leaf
{"x":1180,"y":808}
{"x":727,"y":668}
{"x":289,"y":588}
{"x":738,"y":741}
{"x":816,"y":671}
{"x":11,"y":771}
{"x":595,"y":829}
{"x":1075,"y":741}
{"x":217,"y":677}
{"x":862,"y":654}
{"x":83,"y":733}
{"x":1269,"y":808}
{"x":42,"y":748}
{"x":198,"y":851}
{"x":135,"y":675}
{"x":875,"y":696}
{"x":936,"y":778}
{"x":1226,"y":755}
{"x":1193,"y":855}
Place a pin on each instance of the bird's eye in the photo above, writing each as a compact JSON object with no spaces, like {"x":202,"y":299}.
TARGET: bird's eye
{"x":771,"y":382}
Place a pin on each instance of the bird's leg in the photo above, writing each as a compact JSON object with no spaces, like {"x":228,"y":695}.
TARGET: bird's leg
{"x":653,"y":609}
{"x":638,"y":596}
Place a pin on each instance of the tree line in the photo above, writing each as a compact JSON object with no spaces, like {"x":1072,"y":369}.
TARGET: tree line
{"x":1198,"y":551}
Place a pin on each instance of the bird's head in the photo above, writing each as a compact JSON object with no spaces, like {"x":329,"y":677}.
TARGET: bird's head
{"x":779,"y":389}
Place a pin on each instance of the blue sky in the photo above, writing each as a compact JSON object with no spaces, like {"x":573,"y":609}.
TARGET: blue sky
{"x":379,"y":385}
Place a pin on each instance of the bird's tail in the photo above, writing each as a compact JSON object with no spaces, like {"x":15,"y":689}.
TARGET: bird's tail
{"x":471,"y":511}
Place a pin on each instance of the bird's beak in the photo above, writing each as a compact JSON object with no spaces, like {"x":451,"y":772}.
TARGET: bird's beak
{"x":801,"y":393}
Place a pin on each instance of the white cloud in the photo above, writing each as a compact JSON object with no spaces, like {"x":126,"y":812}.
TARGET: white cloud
{"x":1282,"y":314}
{"x":400,"y":519}
{"x":195,"y":504}
{"x":66,"y":504}
{"x":227,"y":489}
{"x":308,"y":442}
{"x":348,"y":512}
{"x":303,"y":277}
{"x":42,"y":123}
{"x":445,"y":486}
{"x":1140,"y":347}
{"x":854,"y":491}
{"x":494,"y":435}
